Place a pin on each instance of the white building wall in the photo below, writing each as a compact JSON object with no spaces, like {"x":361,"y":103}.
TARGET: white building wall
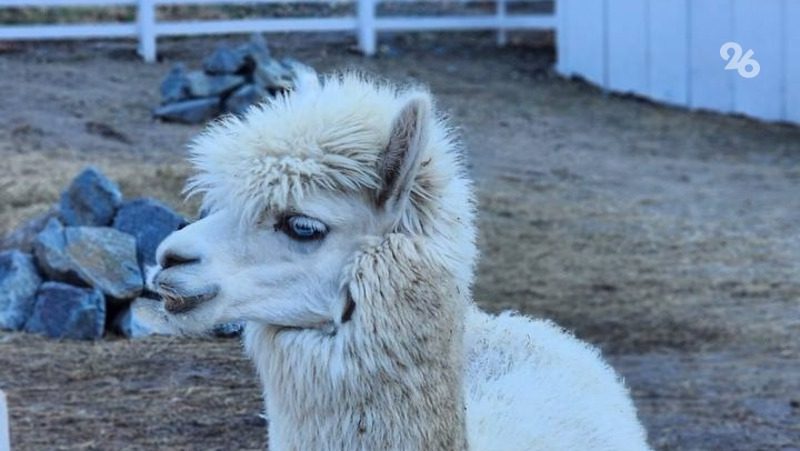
{"x":669,"y":50}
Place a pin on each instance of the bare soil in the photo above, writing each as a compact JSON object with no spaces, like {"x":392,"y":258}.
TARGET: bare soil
{"x":671,"y":239}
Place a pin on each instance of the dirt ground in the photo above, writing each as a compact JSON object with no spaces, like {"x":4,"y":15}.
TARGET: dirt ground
{"x":671,"y":239}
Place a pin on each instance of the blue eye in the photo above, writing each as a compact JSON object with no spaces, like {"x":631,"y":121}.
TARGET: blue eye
{"x":303,"y":228}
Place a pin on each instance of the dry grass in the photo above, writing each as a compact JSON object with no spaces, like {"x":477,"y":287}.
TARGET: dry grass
{"x":29,"y":185}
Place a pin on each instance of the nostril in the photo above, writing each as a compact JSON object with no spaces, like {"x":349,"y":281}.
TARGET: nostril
{"x":171,"y":259}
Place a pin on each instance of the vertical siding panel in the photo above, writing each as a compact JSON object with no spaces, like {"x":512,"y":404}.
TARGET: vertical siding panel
{"x":669,"y":55}
{"x":758,"y":26}
{"x":710,"y":26}
{"x":627,"y":46}
{"x":563,"y":36}
{"x":792,"y":60}
{"x":585,"y":42}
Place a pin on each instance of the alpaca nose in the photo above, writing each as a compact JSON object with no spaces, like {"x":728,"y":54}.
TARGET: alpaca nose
{"x":172,"y":258}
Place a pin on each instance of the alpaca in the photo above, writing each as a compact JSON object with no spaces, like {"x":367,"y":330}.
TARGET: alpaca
{"x":341,"y":228}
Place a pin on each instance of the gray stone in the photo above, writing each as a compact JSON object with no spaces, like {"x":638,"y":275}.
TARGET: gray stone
{"x":223,"y":61}
{"x":202,"y":85}
{"x":274,"y":75}
{"x":19,"y":281}
{"x":149,"y":221}
{"x":50,"y":250}
{"x":175,"y":86}
{"x":232,"y":329}
{"x":142,"y":318}
{"x":91,"y":200}
{"x":241,"y":99}
{"x":66,"y":311}
{"x":98,"y":256}
{"x":192,"y":111}
{"x":256,"y":51}
{"x":23,"y":237}
{"x":105,"y":258}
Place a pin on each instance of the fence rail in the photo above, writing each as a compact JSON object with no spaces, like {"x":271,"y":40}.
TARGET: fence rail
{"x":365,"y":23}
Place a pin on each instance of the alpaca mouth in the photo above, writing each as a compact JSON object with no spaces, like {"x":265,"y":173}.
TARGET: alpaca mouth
{"x":181,"y":304}
{"x":179,"y":300}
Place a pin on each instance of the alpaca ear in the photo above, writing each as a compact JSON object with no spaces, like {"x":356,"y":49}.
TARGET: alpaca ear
{"x":401,"y":158}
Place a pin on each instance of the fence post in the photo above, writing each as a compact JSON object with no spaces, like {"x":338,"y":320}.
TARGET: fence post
{"x":5,"y":429}
{"x":146,"y":21}
{"x":500,"y":12}
{"x":367,"y":37}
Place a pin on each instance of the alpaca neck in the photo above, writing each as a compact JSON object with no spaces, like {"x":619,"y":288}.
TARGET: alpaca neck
{"x":390,"y":378}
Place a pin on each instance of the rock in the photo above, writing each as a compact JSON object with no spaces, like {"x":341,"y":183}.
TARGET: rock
{"x":105,"y":258}
{"x":91,"y":200}
{"x":175,"y":86}
{"x":19,"y":281}
{"x":98,"y":256}
{"x":256,"y":51}
{"x":274,"y":76}
{"x":50,"y":250}
{"x":149,"y":221}
{"x":223,"y":61}
{"x":232,"y":329}
{"x":202,"y":85}
{"x":141,"y":319}
{"x":23,"y":237}
{"x":66,"y":311}
{"x":192,"y":111}
{"x":241,"y":99}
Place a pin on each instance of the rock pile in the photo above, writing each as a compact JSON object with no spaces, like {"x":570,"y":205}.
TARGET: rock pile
{"x":232,"y":79}
{"x":77,"y":271}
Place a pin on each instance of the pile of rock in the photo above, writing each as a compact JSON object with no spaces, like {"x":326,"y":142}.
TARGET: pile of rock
{"x":77,"y":271}
{"x":232,"y":79}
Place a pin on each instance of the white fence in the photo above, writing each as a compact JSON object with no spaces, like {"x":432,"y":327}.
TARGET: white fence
{"x":669,"y":50}
{"x":365,"y":23}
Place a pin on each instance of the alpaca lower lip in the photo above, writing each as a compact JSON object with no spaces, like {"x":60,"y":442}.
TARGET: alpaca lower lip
{"x":184,"y":303}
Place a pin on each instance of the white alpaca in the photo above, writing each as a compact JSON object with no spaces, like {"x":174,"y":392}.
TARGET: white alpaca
{"x":342,"y":229}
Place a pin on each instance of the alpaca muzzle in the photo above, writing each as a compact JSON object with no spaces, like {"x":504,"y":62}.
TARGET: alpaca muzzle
{"x":178,"y":299}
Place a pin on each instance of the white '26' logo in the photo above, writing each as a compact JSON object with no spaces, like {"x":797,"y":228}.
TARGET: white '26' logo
{"x":745,"y":65}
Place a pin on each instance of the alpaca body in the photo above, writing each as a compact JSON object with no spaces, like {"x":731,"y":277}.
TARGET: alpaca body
{"x":529,"y":385}
{"x":418,"y":367}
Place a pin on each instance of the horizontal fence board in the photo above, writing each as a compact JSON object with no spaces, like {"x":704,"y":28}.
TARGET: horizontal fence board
{"x":189,"y":28}
{"x":464,"y":23}
{"x":245,"y":2}
{"x":63,"y":3}
{"x":66,"y":31}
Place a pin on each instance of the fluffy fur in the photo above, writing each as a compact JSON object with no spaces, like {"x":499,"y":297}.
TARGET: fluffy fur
{"x":414,"y":364}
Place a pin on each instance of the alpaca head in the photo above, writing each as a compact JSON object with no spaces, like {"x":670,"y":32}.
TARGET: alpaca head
{"x":301,"y":185}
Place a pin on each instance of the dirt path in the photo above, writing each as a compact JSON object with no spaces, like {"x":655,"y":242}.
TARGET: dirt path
{"x":670,"y":239}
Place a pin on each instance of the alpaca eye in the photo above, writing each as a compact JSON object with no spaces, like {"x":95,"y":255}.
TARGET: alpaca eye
{"x":303,"y":228}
